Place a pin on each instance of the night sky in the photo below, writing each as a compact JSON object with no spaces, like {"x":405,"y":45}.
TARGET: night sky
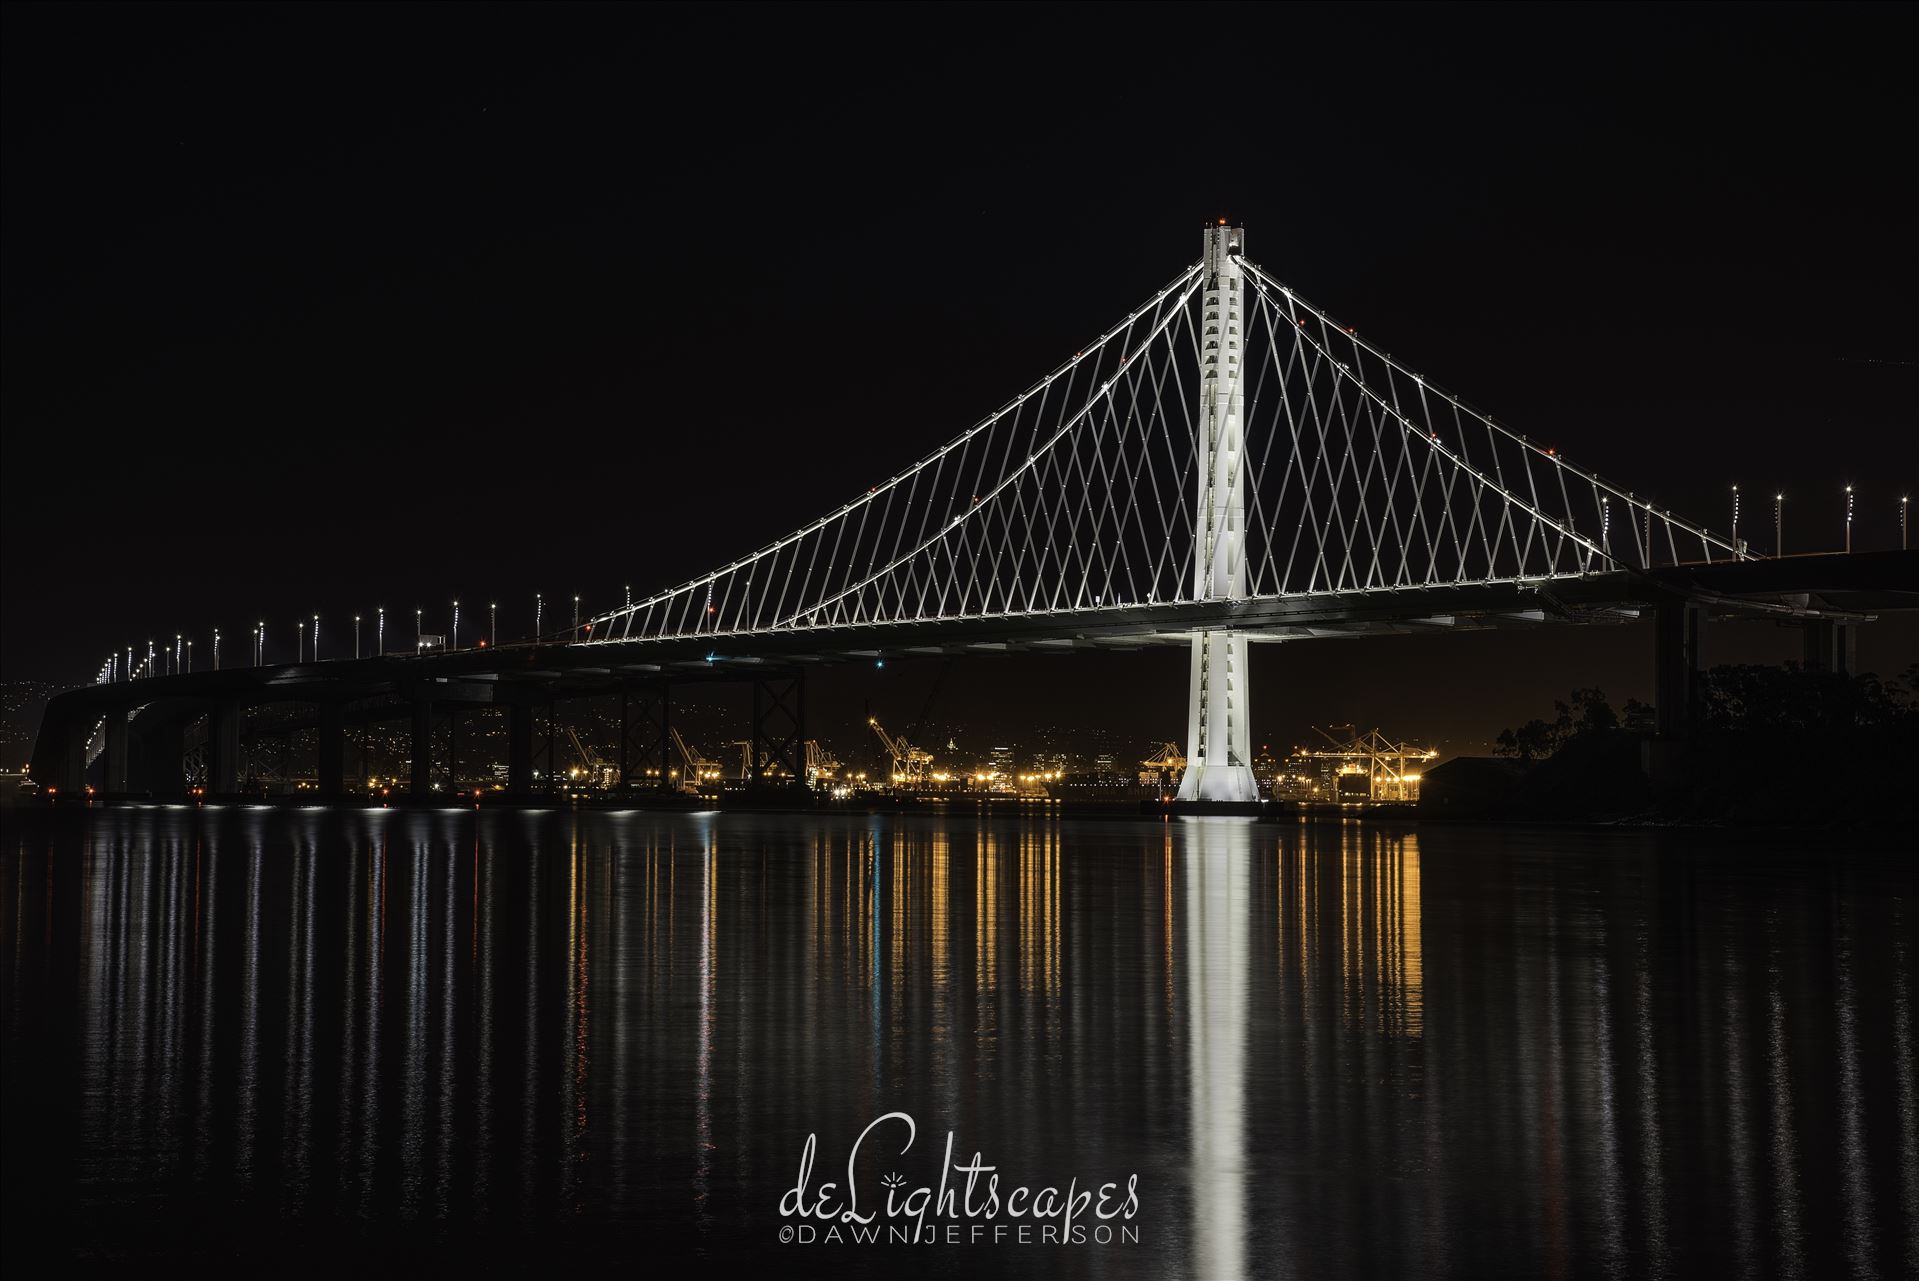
{"x":312,"y":309}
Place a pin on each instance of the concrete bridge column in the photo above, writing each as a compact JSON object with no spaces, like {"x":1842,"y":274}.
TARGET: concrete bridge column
{"x":421,"y":781}
{"x":223,"y":748}
{"x":113,"y":760}
{"x":1830,"y":646}
{"x":332,"y":751}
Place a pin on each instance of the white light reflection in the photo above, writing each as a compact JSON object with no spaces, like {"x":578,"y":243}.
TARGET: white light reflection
{"x":1216,"y":904}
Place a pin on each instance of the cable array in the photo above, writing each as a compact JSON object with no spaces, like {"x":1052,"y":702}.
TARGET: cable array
{"x":1079,"y":493}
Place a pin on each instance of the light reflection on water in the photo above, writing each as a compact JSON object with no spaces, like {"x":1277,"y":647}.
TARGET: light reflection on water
{"x":311,"y":1039}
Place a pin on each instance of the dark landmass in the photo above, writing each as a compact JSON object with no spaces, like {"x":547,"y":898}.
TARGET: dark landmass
{"x":1773,"y":746}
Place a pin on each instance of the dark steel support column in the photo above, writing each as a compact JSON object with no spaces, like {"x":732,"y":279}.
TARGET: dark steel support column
{"x":519,"y":748}
{"x":666,"y":737}
{"x":223,"y":748}
{"x":625,"y":724}
{"x":1830,"y":646}
{"x":645,"y":759}
{"x":1678,"y":628}
{"x":71,"y":768}
{"x":779,"y":731}
{"x":1677,"y":662}
{"x":421,"y":780}
{"x":156,"y":757}
{"x":113,"y":781}
{"x":331,"y":751}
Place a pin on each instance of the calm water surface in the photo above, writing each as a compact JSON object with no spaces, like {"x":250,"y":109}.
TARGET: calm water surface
{"x":242,"y":1039}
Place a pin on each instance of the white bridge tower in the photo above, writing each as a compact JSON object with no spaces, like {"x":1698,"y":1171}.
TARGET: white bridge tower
{"x":1219,"y":759}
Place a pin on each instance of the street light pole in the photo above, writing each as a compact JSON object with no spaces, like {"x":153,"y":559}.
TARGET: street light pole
{"x":1778,"y":525}
{"x":456,"y":626}
{"x":493,"y":624}
{"x":356,"y":635}
{"x":1848,"y":518}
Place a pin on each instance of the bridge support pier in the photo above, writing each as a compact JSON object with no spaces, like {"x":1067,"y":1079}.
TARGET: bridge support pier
{"x":156,"y":757}
{"x":113,"y":781}
{"x":420,"y":779}
{"x":779,"y":731}
{"x":223,"y":748}
{"x":519,"y":747}
{"x":65,"y":764}
{"x":1678,"y":659}
{"x":331,"y":765}
{"x":1830,"y":646}
{"x":645,"y":748}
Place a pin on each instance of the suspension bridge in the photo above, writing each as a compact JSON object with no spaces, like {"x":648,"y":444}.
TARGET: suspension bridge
{"x":1228,"y":465}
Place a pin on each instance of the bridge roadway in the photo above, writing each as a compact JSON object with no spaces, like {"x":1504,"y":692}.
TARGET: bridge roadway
{"x":143,"y":753}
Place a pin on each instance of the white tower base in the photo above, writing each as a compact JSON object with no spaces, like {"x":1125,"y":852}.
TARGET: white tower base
{"x":1218,"y":760}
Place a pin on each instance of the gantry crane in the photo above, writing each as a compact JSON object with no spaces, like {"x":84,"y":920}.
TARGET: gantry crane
{"x":910,"y":764}
{"x":1163,"y":768}
{"x":821,"y":766}
{"x":592,"y":765}
{"x":1366,"y":766}
{"x":696,"y":768}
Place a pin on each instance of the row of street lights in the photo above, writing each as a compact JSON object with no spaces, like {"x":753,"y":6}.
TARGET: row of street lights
{"x":121,"y":666}
{"x":1779,"y":520}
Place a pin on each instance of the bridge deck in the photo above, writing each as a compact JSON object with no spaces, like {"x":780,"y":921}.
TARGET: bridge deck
{"x":1832,"y":587}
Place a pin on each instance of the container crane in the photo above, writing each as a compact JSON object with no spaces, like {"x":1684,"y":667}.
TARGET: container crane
{"x":697,"y":769}
{"x":592,"y":765}
{"x":910,"y":764}
{"x":1163,"y":768}
{"x":821,"y":766}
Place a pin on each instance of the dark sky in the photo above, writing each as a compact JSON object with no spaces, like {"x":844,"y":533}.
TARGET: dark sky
{"x":313,"y":308}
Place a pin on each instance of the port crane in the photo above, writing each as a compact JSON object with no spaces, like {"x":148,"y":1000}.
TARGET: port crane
{"x":592,"y":764}
{"x":910,"y":764}
{"x":1164,"y":767}
{"x":1388,"y":771}
{"x":697,"y":768}
{"x":821,"y":765}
